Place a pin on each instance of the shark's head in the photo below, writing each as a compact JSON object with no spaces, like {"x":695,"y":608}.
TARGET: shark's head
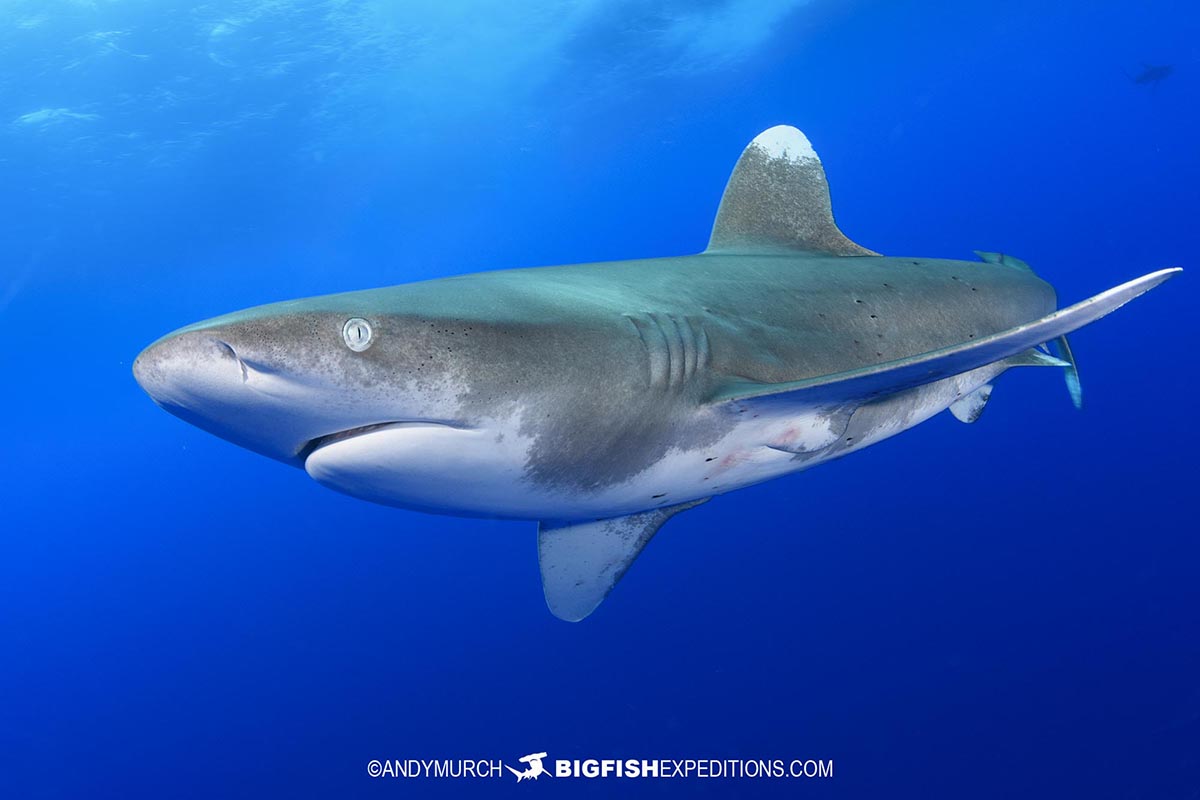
{"x":287,"y":378}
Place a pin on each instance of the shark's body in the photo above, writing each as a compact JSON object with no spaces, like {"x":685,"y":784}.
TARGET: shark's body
{"x":600,"y":399}
{"x":582,"y":391}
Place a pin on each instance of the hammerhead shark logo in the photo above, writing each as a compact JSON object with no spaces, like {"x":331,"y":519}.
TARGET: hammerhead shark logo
{"x":534,"y":768}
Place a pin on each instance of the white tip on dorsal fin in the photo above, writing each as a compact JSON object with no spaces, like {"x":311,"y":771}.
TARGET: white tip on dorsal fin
{"x":777,"y":198}
{"x":582,"y":561}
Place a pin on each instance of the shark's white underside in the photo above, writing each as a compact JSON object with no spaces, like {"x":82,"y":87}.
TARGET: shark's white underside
{"x":481,"y":471}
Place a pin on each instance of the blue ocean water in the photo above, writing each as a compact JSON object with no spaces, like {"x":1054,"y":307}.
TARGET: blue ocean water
{"x":1010,"y":608}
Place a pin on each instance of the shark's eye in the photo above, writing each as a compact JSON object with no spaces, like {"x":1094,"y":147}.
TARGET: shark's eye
{"x":357,"y":333}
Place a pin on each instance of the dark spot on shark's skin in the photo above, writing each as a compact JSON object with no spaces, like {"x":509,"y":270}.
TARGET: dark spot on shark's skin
{"x":656,"y":496}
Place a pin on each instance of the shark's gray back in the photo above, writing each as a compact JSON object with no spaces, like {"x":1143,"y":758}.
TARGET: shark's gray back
{"x":770,"y":317}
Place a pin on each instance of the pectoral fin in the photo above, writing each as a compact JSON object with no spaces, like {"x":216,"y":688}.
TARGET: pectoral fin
{"x":894,"y":376}
{"x":969,"y":408}
{"x":582,"y":561}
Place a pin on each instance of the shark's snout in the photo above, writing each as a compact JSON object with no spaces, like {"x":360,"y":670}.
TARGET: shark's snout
{"x":186,"y":367}
{"x":265,"y":382}
{"x":200,"y":377}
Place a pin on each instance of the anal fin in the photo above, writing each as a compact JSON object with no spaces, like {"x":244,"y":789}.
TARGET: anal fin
{"x":582,"y":561}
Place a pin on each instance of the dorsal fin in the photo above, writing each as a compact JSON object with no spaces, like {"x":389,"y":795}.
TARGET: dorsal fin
{"x":1004,"y":259}
{"x":778,"y":198}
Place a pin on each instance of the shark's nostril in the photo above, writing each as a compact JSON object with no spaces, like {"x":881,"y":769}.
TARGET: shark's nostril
{"x":228,"y":348}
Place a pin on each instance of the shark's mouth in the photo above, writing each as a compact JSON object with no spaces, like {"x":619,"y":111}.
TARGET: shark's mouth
{"x":316,"y":444}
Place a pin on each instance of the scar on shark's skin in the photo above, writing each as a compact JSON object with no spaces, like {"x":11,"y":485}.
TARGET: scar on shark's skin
{"x":602,"y":399}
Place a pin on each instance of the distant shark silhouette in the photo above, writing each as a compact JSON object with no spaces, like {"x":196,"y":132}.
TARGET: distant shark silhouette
{"x":1152,"y":75}
{"x":603,"y":399}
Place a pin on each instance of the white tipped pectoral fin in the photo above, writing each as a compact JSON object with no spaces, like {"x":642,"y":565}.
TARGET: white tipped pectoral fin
{"x":895,"y":376}
{"x":581,"y":562}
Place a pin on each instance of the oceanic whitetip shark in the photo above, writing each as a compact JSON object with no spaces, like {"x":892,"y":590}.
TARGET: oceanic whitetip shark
{"x":603,"y":399}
